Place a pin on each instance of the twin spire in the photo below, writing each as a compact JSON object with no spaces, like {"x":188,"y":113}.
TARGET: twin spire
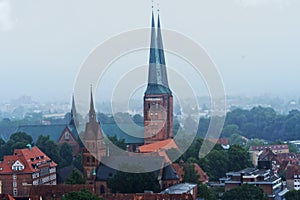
{"x":157,"y":77}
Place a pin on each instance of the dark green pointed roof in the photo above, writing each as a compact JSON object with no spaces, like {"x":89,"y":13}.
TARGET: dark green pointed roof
{"x":157,"y":74}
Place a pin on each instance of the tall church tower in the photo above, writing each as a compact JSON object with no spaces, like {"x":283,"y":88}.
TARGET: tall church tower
{"x":94,"y":145}
{"x":158,"y":99}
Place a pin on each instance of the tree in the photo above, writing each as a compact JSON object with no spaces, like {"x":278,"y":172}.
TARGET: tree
{"x":206,"y":193}
{"x":118,"y":142}
{"x":237,"y":139}
{"x":230,"y":129}
{"x":75,"y":178}
{"x":83,"y":194}
{"x":124,"y":182}
{"x":17,"y":140}
{"x":66,"y":154}
{"x":292,"y":195}
{"x":50,"y":148}
{"x":216,"y":164}
{"x":77,"y":162}
{"x":2,"y":145}
{"x":238,"y":158}
{"x":190,"y":174}
{"x":246,"y":191}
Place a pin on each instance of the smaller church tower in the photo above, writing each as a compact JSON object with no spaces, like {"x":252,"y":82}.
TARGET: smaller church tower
{"x":74,"y":118}
{"x":94,"y":144}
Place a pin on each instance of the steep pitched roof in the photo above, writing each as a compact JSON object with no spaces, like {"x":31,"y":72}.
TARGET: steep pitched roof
{"x":157,"y":75}
{"x":54,"y":131}
{"x":31,"y":159}
{"x":169,"y":173}
{"x":158,"y":146}
{"x":136,"y":135}
{"x":105,"y":172}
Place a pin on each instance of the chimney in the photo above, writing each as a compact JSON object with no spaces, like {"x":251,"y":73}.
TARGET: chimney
{"x":242,"y":181}
{"x":29,"y":146}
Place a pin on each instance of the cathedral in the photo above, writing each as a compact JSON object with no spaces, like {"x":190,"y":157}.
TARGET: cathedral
{"x":158,"y":122}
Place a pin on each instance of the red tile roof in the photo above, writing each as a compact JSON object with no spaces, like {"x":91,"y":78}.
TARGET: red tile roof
{"x":272,"y":147}
{"x":158,"y":146}
{"x":223,"y":141}
{"x":30,"y":158}
{"x":180,"y":172}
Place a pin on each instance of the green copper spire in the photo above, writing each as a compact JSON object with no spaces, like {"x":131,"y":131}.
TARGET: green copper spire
{"x":157,"y":75}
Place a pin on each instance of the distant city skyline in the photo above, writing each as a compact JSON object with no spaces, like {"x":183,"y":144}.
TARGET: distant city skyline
{"x":254,"y":43}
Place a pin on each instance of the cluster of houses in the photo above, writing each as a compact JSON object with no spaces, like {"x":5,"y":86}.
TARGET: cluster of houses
{"x":276,"y":171}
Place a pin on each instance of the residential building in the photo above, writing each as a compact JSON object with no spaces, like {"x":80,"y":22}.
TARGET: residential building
{"x":264,"y":178}
{"x":25,"y":168}
{"x":293,"y":177}
{"x":255,"y":151}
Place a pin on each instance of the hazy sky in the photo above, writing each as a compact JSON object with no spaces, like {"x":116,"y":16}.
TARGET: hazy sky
{"x":254,"y":43}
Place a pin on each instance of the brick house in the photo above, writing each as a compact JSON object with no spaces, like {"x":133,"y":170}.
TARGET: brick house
{"x":263,"y":178}
{"x":25,"y":168}
{"x":293,"y":177}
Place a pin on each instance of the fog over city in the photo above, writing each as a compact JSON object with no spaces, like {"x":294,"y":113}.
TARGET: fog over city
{"x":254,"y":43}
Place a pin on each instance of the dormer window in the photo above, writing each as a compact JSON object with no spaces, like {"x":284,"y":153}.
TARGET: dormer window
{"x":17,"y":166}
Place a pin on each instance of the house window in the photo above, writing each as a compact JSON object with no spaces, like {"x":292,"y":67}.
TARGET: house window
{"x":102,"y":189}
{"x":88,"y":159}
{"x":15,"y":192}
{"x":14,"y":176}
{"x":67,"y":136}
{"x":14,"y":184}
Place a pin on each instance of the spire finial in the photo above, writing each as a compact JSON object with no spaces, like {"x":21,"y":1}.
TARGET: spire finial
{"x":158,"y":8}
{"x":92,"y":112}
{"x":152,"y":5}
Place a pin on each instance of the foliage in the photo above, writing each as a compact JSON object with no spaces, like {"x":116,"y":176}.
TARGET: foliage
{"x":237,"y":139}
{"x":50,"y":148}
{"x":249,"y":192}
{"x":118,"y":142}
{"x":292,"y":195}
{"x":2,"y":146}
{"x":219,"y":161}
{"x":66,"y":154}
{"x":238,"y":158}
{"x":17,"y":140}
{"x":206,"y":193}
{"x":80,"y":195}
{"x":62,"y":155}
{"x":259,"y":122}
{"x":292,"y":148}
{"x":77,"y":162}
{"x":124,"y":182}
{"x":190,"y":174}
{"x":75,"y":178}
